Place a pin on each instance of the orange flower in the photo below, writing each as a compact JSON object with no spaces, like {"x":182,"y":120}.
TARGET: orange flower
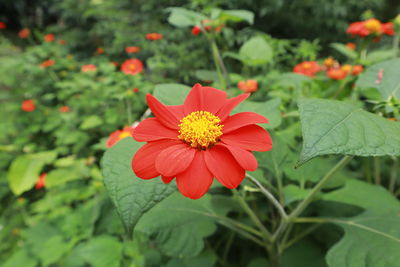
{"x":3,"y":25}
{"x":196,"y":30}
{"x":28,"y":105}
{"x":307,"y":68}
{"x":330,"y":62}
{"x":135,"y":90}
{"x":132,"y":66}
{"x":154,"y":36}
{"x":132,"y":49}
{"x":24,"y":33}
{"x":64,"y":109}
{"x":351,"y":46}
{"x":62,"y":42}
{"x":370,"y":27}
{"x":88,"y":67}
{"x":373,"y":26}
{"x":336,"y":74}
{"x":48,"y":38}
{"x":388,"y":28}
{"x":100,"y":50}
{"x":119,"y":135}
{"x":199,"y":140}
{"x":357,"y":69}
{"x":347,"y":68}
{"x":47,"y":63}
{"x":248,"y":86}
{"x":41,"y":181}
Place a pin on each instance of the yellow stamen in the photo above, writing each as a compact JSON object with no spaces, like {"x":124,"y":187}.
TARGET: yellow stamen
{"x":200,"y":129}
{"x":132,"y":67}
{"x":123,"y":135}
{"x":306,"y":65}
{"x":373,"y":25}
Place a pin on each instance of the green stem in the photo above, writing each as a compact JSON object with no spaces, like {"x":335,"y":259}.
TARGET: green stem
{"x":340,"y":89}
{"x":393,"y":174}
{"x":299,"y":237}
{"x":396,"y":42}
{"x":377,"y":171}
{"x":215,"y":53}
{"x":129,"y":110}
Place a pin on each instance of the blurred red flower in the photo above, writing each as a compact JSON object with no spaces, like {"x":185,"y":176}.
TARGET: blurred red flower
{"x":88,"y":67}
{"x":64,"y":109}
{"x":357,"y":69}
{"x":370,"y":27}
{"x":48,"y":38}
{"x":24,"y":33}
{"x":119,"y":135}
{"x":196,"y":30}
{"x":351,"y":46}
{"x":41,"y":181}
{"x":100,"y":50}
{"x":307,"y":68}
{"x":3,"y":25}
{"x":388,"y":28}
{"x":154,"y":36}
{"x":132,"y":49}
{"x":62,"y":42}
{"x":199,"y":140}
{"x":132,"y":66}
{"x":248,"y":86}
{"x":336,"y":74}
{"x":135,"y":90}
{"x":47,"y":63}
{"x":28,"y":105}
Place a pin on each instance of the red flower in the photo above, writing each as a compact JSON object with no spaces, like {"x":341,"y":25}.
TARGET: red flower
{"x":24,"y":33}
{"x":196,"y":30}
{"x":47,"y":63}
{"x":100,"y":51}
{"x":2,"y":25}
{"x":132,"y":66}
{"x":135,"y":90}
{"x":41,"y":181}
{"x":28,"y":105}
{"x":62,"y":42}
{"x":119,"y":135}
{"x":388,"y":29}
{"x":248,"y":86}
{"x":132,"y":49}
{"x":154,"y":36}
{"x":351,"y":46}
{"x":88,"y":67}
{"x":64,"y":109}
{"x":307,"y":68}
{"x":373,"y":26}
{"x":198,"y":141}
{"x":357,"y":28}
{"x":336,"y":74}
{"x":48,"y":38}
{"x":357,"y":69}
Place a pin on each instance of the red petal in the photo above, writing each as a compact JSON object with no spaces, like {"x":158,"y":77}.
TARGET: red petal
{"x":197,"y":179}
{"x":224,"y":167}
{"x":229,"y":105}
{"x":143,"y":163}
{"x":166,"y":179}
{"x":162,"y":112}
{"x":204,"y":98}
{"x":252,"y":137}
{"x":245,"y":158}
{"x":177,"y":111}
{"x":241,"y":119}
{"x":174,"y":159}
{"x":151,"y":130}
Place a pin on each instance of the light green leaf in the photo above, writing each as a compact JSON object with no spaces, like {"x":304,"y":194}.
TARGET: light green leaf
{"x":294,"y":193}
{"x":269,"y":109}
{"x":360,"y":193}
{"x":53,"y":249}
{"x":181,"y":17}
{"x":256,"y":51}
{"x":184,"y":224}
{"x":369,"y":240}
{"x":334,"y":127}
{"x":171,"y":93}
{"x":91,"y":122}
{"x":291,"y":80}
{"x":131,"y":195}
{"x":20,"y":258}
{"x":25,"y":170}
{"x":378,"y":56}
{"x":344,"y":50}
{"x":383,"y":76}
{"x":237,"y":16}
{"x":206,"y":75}
{"x":63,"y":175}
{"x":102,"y":251}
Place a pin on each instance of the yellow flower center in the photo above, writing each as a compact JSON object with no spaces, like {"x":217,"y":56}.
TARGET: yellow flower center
{"x":132,"y":67}
{"x":373,"y":25}
{"x":123,"y":135}
{"x":306,"y":65}
{"x":200,"y":129}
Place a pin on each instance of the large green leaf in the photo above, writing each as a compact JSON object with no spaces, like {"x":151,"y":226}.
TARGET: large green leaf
{"x":20,"y":257}
{"x":256,"y":51}
{"x":171,"y":93}
{"x":181,"y":17}
{"x":180,"y":224}
{"x":334,"y":127}
{"x":383,"y":76}
{"x":131,"y":195}
{"x":25,"y":170}
{"x":237,"y":15}
{"x":359,"y":193}
{"x":369,"y":240}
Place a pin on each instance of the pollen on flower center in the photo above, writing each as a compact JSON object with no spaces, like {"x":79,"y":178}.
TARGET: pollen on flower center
{"x":123,"y":135}
{"x":200,"y":129}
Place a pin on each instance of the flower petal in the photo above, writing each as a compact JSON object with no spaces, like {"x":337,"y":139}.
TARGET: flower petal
{"x":197,"y":179}
{"x":177,"y":111}
{"x":241,"y":119}
{"x":245,"y":158}
{"x":175,"y":159}
{"x":151,"y":130}
{"x":204,"y":98}
{"x":229,"y":105}
{"x":166,"y":179}
{"x":251,"y":137}
{"x":143,"y":163}
{"x":162,"y":112}
{"x":224,"y":167}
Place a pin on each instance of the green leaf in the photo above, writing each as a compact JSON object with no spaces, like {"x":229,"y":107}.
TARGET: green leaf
{"x":291,"y":80}
{"x":334,"y":127}
{"x":63,"y":175}
{"x":304,"y":253}
{"x":25,"y":170}
{"x":369,"y":240}
{"x":181,"y":17}
{"x":131,"y":195}
{"x":237,"y":16}
{"x":184,"y":224}
{"x":91,"y":122}
{"x":53,"y":249}
{"x":20,"y":258}
{"x":359,"y":193}
{"x":389,"y":82}
{"x":378,"y":56}
{"x":171,"y":93}
{"x":294,"y":193}
{"x":344,"y":50}
{"x":255,"y":52}
{"x":269,"y":109}
{"x":206,"y":75}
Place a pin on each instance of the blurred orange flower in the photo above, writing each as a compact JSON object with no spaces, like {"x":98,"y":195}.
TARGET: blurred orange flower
{"x":351,"y":46}
{"x":100,"y":50}
{"x":132,"y":66}
{"x":28,"y":105}
{"x":88,"y":67}
{"x":248,"y":86}
{"x":132,"y":49}
{"x":48,"y":38}
{"x":307,"y":68}
{"x":357,"y":69}
{"x":64,"y":109}
{"x":47,"y":63}
{"x":154,"y":36}
{"x":2,"y":25}
{"x":119,"y":135}
{"x":196,"y":30}
{"x":336,"y":74}
{"x":24,"y":33}
{"x":41,"y":181}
